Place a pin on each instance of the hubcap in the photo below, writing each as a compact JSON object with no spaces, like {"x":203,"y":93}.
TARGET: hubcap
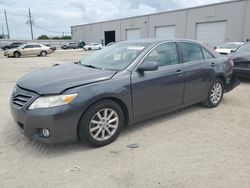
{"x":216,"y":93}
{"x":104,"y":124}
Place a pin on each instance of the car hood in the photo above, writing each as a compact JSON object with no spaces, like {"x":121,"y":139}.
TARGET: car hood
{"x":56,"y":79}
{"x":240,"y":56}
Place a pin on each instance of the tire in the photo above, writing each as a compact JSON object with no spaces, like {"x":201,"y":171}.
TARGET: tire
{"x":17,"y":54}
{"x":99,"y":135}
{"x":89,"y":48}
{"x":43,"y":53}
{"x":215,"y":94}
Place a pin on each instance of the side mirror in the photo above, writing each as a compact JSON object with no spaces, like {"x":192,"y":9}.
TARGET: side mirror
{"x":148,"y":66}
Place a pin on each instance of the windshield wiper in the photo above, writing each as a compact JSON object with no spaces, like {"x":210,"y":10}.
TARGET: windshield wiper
{"x":90,"y":66}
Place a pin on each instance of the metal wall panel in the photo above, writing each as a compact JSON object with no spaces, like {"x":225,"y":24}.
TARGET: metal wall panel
{"x":236,"y":13}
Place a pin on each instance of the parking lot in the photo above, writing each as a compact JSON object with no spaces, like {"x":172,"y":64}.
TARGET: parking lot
{"x":193,"y":147}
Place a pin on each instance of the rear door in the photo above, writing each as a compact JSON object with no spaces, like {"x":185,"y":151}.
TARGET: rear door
{"x":198,"y":64}
{"x":155,"y":91}
{"x":36,"y":49}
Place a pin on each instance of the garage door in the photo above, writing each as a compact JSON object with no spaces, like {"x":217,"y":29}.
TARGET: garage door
{"x":133,"y":34}
{"x":165,"y":32}
{"x":212,"y":33}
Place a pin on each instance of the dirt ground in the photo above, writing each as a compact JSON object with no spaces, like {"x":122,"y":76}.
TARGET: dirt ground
{"x":193,"y":147}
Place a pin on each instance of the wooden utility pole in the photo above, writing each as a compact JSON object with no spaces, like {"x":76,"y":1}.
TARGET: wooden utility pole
{"x":2,"y":30}
{"x":31,"y":29}
{"x":7,"y":25}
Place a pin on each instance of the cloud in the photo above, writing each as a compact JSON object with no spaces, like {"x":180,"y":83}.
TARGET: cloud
{"x":52,"y":17}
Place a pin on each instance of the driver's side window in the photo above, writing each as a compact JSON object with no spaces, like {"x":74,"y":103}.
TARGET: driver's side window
{"x":164,"y":55}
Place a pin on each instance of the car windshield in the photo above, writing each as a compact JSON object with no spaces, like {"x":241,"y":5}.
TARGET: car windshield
{"x":115,"y":57}
{"x":21,"y":46}
{"x":244,"y":48}
{"x":230,"y":45}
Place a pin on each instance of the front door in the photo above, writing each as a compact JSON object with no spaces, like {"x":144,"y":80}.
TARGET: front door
{"x":156,"y":91}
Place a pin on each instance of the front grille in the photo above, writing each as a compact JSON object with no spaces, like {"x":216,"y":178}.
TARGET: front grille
{"x":20,"y":100}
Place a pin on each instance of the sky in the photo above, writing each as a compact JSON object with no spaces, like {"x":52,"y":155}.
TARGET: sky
{"x":53,"y":17}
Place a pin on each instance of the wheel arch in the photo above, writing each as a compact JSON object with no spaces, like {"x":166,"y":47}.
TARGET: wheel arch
{"x":16,"y":51}
{"x":223,"y":78}
{"x":119,"y":101}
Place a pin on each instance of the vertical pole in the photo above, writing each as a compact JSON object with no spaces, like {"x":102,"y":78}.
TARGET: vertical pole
{"x":7,"y":25}
{"x":3,"y":31}
{"x":31,"y":29}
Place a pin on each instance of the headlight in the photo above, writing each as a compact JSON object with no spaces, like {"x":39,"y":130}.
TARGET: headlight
{"x":52,"y":101}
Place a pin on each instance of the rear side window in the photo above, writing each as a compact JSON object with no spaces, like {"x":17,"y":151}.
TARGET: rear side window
{"x":164,"y":54}
{"x":190,"y":51}
{"x":28,"y":46}
{"x":207,"y":54}
{"x":36,"y":46}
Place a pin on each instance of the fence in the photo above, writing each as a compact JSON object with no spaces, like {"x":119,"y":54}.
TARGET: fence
{"x":55,"y":43}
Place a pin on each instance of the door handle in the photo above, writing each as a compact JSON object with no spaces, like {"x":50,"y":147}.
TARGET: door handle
{"x":213,"y":65}
{"x":179,"y":72}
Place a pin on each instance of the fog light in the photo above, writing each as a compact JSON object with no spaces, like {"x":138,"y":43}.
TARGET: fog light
{"x":45,"y":132}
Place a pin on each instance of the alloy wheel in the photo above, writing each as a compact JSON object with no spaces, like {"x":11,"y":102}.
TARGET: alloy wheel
{"x":216,"y":93}
{"x":104,"y":124}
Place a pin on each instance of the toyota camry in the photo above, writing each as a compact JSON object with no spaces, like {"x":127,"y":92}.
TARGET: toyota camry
{"x":120,"y":85}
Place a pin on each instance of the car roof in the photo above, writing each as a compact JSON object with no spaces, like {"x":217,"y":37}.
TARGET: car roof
{"x":33,"y":44}
{"x":158,"y":40}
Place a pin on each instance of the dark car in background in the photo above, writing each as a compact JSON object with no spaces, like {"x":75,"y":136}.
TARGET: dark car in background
{"x":70,"y":45}
{"x":241,"y":58}
{"x":12,"y":45}
{"x":120,"y":85}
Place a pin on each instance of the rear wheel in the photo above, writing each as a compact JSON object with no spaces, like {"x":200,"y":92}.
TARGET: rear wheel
{"x":101,"y":123}
{"x":215,"y":94}
{"x":43,"y":53}
{"x":17,"y":54}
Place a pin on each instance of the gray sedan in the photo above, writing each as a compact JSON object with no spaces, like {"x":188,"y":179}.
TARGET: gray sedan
{"x":118,"y":86}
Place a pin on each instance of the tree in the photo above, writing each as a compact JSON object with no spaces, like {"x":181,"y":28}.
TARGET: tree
{"x":43,"y":37}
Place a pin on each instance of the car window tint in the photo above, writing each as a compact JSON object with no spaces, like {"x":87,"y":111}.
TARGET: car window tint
{"x":28,"y":46}
{"x":164,"y":54}
{"x":190,"y":52}
{"x":207,"y":54}
{"x":36,"y":46}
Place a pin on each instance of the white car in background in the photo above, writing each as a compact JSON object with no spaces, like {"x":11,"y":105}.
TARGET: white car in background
{"x":228,"y":47}
{"x":92,"y":46}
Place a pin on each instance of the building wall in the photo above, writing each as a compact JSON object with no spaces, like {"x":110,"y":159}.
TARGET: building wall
{"x":235,"y":13}
{"x":246,"y":27}
{"x":177,"y":19}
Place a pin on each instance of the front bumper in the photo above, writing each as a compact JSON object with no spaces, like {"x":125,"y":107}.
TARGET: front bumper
{"x":61,"y":121}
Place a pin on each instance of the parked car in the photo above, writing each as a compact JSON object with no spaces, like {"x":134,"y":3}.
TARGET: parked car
{"x":51,"y":47}
{"x":12,"y":45}
{"x":28,"y":49}
{"x":120,"y":85}
{"x":93,"y":46}
{"x":241,"y":58}
{"x":70,"y":45}
{"x":228,"y":47}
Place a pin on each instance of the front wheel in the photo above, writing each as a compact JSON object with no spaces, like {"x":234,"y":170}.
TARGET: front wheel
{"x":43,"y":53}
{"x":215,"y":94}
{"x":101,"y":123}
{"x":17,"y":54}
